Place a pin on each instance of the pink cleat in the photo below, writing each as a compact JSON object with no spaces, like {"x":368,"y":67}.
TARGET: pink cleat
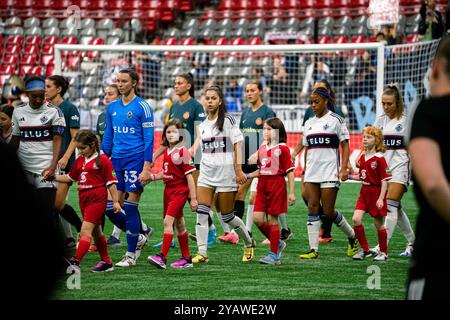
{"x":266,"y":241}
{"x":230,"y":237}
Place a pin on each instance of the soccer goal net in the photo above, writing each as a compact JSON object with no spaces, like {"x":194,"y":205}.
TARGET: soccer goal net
{"x":356,"y":72}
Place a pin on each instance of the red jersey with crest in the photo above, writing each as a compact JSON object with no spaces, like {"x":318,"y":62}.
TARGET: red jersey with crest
{"x":177,"y":164}
{"x":89,"y":176}
{"x":274,"y":160}
{"x":373,"y":170}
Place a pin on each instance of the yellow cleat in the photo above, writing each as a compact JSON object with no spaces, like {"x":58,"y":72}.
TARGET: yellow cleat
{"x":310,"y":255}
{"x":200,"y":259}
{"x":249,"y":252}
{"x":353,"y":247}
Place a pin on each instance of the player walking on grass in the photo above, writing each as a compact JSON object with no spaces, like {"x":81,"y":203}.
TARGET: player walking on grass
{"x":221,"y":160}
{"x":322,"y":136}
{"x":128,"y":138}
{"x":274,"y":162}
{"x":180,"y":185}
{"x":372,"y":197}
{"x":393,"y":123}
{"x":94,"y":173}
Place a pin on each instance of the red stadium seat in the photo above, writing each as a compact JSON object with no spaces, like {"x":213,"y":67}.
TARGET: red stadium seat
{"x":11,"y":59}
{"x":48,"y":49}
{"x":51,"y":40}
{"x":29,"y":59}
{"x":187,"y":42}
{"x":185,"y":5}
{"x":412,"y":38}
{"x":33,"y":40}
{"x":15,"y":40}
{"x":254,"y":41}
{"x":340,"y":39}
{"x":12,"y":48}
{"x":324,"y":40}
{"x":112,"y":5}
{"x":220,"y":42}
{"x":73,"y":62}
{"x":30,"y":49}
{"x":47,"y":59}
{"x":7,"y":69}
{"x":170,"y":42}
{"x":358,"y":39}
{"x":23,"y":4}
{"x":50,"y":70}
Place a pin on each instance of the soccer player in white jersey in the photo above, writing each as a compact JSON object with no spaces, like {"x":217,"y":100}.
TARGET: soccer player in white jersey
{"x":393,"y":124}
{"x":37,"y":135}
{"x":322,"y":136}
{"x":221,"y":170}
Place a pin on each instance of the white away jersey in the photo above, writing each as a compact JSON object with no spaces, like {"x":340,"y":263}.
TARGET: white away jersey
{"x":322,"y":136}
{"x":394,"y":132}
{"x":217,"y":162}
{"x":36,"y":128}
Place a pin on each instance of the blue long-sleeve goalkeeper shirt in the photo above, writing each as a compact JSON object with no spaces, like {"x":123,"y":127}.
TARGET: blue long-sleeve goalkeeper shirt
{"x":129,"y":129}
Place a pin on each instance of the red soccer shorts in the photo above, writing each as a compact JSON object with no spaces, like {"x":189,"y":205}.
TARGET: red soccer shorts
{"x":93,"y":204}
{"x":271,"y":195}
{"x":367,"y":201}
{"x":174,"y":200}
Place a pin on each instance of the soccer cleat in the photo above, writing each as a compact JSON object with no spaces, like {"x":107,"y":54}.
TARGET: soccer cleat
{"x":375,"y":250}
{"x":126,"y":261}
{"x":249,"y":252}
{"x":212,"y":235}
{"x":353,"y":247}
{"x":312,"y":254}
{"x":182,"y":263}
{"x":102,"y":266}
{"x":380,"y":257}
{"x":271,"y":258}
{"x":142,"y":241}
{"x":286,"y":234}
{"x":73,"y":265}
{"x":157,"y":261}
{"x":148,"y":232}
{"x":113,"y":242}
{"x":200,"y":259}
{"x":230,"y":237}
{"x":361,"y":254}
{"x":266,"y":241}
{"x":281,"y":247}
{"x":159,"y":245}
{"x":93,"y":248}
{"x":408,"y":251}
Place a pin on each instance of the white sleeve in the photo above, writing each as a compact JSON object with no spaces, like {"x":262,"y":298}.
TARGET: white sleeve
{"x":235,"y":133}
{"x":343,"y":133}
{"x":305,"y":141}
{"x":15,"y":125}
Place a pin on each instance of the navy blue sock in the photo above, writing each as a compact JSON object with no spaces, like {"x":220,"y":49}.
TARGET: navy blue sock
{"x":118,"y":219}
{"x":133,"y":225}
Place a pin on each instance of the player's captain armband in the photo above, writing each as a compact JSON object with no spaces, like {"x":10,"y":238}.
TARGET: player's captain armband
{"x":148,"y":124}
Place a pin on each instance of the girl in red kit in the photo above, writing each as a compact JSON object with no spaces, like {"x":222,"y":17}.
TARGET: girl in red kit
{"x":372,"y":197}
{"x":95,"y":175}
{"x":180,"y":186}
{"x":274,"y":162}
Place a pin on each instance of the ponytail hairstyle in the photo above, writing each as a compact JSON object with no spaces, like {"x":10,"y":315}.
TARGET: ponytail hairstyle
{"x":332,"y":101}
{"x":172,"y":122}
{"x":277,"y":124}
{"x":89,"y":138}
{"x":60,"y":82}
{"x":378,"y":134}
{"x":222,"y":107}
{"x":133,"y":75}
{"x":325,"y":95}
{"x":190,"y":79}
{"x":393,"y":89}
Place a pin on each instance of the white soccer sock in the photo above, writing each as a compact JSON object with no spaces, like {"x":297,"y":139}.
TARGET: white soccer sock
{"x":201,"y":229}
{"x":249,"y":218}
{"x":283,"y":221}
{"x":405,"y":225}
{"x":67,"y":228}
{"x":391,"y":218}
{"x":342,"y":223}
{"x":225,"y":226}
{"x":116,"y":232}
{"x":239,"y":227}
{"x":313,"y":226}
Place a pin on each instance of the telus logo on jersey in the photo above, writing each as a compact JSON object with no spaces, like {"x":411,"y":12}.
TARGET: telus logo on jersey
{"x":322,"y":141}
{"x":392,"y":142}
{"x":36,"y":134}
{"x":217,"y":145}
{"x":124,"y":130}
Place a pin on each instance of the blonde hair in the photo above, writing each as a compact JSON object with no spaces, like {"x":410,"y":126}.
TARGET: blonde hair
{"x":379,"y":140}
{"x":393,"y":89}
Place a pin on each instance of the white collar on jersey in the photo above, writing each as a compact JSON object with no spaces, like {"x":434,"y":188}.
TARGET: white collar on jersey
{"x":94,"y":155}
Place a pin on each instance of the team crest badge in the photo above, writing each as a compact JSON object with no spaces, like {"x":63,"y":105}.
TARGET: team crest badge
{"x":186,"y":115}
{"x":176,"y":158}
{"x":129,"y":114}
{"x":326,"y":126}
{"x":398,"y":128}
{"x":277,"y":152}
{"x":258,"y":121}
{"x":44,"y":119}
{"x":373,"y":165}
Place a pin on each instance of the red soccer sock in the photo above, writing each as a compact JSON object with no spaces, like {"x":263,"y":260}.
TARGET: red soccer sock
{"x":274,"y":238}
{"x":167,"y":241}
{"x":361,"y":236}
{"x":184,"y":244}
{"x":265,"y":229}
{"x":102,"y":247}
{"x":83,"y":247}
{"x":382,"y":240}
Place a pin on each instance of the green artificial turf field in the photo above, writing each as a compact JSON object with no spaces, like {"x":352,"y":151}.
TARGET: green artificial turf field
{"x":333,"y":276}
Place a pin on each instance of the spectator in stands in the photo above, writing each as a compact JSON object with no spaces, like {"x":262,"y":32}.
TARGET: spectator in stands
{"x":314,"y":72}
{"x":17,"y":90}
{"x":431,"y":24}
{"x":151,"y":65}
{"x":390,"y":33}
{"x":292,"y":67}
{"x":233,"y":95}
{"x":277,"y":81}
{"x":200,"y":61}
{"x":338,"y":69}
